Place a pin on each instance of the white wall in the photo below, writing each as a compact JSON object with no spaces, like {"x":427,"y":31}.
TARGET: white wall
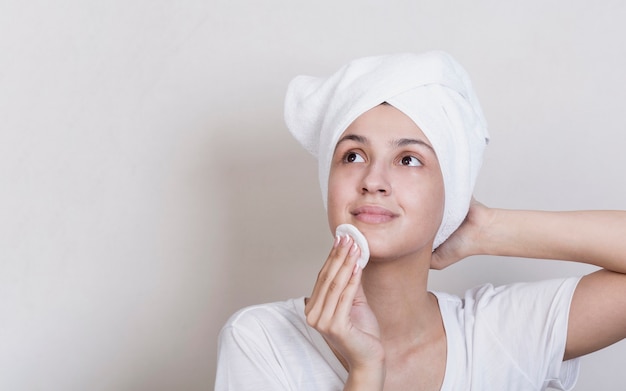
{"x":150,"y":188}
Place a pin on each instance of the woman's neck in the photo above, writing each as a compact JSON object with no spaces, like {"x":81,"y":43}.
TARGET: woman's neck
{"x":398,"y":294}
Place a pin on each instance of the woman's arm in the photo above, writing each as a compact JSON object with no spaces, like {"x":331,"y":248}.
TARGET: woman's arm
{"x":593,"y":237}
{"x":598,"y":311}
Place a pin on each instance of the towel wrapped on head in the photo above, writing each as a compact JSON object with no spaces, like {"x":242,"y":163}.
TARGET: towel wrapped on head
{"x":430,"y":88}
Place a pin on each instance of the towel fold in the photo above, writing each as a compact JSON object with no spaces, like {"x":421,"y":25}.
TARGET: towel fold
{"x":431,"y":88}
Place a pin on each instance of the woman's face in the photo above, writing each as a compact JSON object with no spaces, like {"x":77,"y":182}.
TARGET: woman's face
{"x":385,"y":179}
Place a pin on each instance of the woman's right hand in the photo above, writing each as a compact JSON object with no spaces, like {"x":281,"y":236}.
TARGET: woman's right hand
{"x":338,"y":309}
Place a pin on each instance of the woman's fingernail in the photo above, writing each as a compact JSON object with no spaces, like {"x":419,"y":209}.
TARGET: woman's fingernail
{"x":337,"y":240}
{"x":345,"y":240}
{"x":356,"y":269}
{"x":354,"y":249}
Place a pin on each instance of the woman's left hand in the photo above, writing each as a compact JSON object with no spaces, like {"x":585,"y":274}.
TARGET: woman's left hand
{"x":466,"y":240}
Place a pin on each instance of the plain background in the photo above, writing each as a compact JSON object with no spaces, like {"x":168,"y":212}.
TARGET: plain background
{"x":149,"y":187}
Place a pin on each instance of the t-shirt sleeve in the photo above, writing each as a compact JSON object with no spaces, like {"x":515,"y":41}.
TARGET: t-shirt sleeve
{"x":245,"y":360}
{"x":526,"y":324}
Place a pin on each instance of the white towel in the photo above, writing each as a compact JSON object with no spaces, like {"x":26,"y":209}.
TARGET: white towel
{"x":430,"y":88}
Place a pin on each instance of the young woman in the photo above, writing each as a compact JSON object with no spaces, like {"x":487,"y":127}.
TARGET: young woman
{"x":399,"y":140}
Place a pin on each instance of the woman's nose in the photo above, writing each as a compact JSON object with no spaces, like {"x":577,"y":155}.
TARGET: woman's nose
{"x":376,"y":180}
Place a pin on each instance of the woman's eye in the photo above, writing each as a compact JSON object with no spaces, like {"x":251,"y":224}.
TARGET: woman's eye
{"x":353,"y":157}
{"x":410,"y":161}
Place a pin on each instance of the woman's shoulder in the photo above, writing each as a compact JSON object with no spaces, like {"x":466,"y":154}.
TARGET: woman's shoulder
{"x":489,"y":295}
{"x":277,"y":329}
{"x":274,"y":315}
{"x":519,"y":327}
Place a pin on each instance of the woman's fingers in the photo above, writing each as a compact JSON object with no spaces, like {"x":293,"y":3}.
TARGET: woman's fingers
{"x":347,"y":298}
{"x":329,"y":268}
{"x":339,"y":293}
{"x":467,"y":239}
{"x":331,"y":281}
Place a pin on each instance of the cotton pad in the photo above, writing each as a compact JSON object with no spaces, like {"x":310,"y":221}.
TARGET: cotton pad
{"x":359,"y":239}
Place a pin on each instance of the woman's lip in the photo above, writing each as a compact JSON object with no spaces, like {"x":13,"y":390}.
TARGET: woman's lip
{"x":373,"y":214}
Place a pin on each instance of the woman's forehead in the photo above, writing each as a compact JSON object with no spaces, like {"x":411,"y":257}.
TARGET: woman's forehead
{"x":385,"y":123}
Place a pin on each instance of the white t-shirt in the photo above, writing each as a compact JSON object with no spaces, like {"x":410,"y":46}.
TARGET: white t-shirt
{"x":503,"y":338}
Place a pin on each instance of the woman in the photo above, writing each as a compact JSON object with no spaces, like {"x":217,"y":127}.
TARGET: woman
{"x":399,"y":140}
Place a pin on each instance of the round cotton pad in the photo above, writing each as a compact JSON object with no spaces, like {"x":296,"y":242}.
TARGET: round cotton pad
{"x":359,"y":239}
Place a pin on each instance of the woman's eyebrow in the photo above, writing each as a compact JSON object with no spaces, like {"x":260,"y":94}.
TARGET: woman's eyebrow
{"x":403,"y":142}
{"x":353,"y":137}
